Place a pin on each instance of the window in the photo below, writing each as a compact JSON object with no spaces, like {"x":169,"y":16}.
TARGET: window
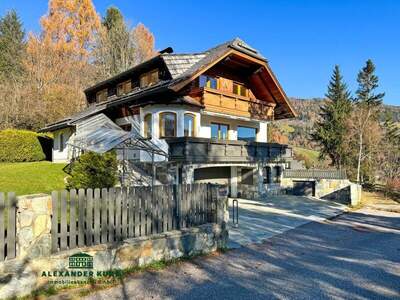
{"x":240,"y":89}
{"x":189,"y":125}
{"x":167,"y":124}
{"x":149,"y":78}
{"x":219,"y":131}
{"x":208,"y":81}
{"x":148,"y":126}
{"x":278,"y":172}
{"x":246,"y":133}
{"x":124,"y":87}
{"x":101,"y":95}
{"x":61,"y":148}
{"x":268,"y":176}
{"x":126,"y":127}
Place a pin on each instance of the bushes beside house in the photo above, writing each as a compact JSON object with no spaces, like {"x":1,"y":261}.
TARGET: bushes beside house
{"x":23,"y":146}
{"x":94,"y":170}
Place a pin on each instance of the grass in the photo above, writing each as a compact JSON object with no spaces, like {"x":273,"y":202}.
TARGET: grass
{"x":31,"y":178}
{"x":310,"y":156}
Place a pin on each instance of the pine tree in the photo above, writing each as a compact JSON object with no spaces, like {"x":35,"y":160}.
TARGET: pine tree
{"x":368,"y":104}
{"x":12,"y":45}
{"x":114,"y":51}
{"x":330,"y":131}
{"x":113,"y":18}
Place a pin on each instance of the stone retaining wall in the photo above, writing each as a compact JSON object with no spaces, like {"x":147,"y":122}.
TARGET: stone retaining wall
{"x":341,"y":190}
{"x":20,"y":276}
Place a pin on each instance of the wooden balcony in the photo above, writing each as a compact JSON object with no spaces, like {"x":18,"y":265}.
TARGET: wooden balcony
{"x":202,"y":150}
{"x":231,"y":104}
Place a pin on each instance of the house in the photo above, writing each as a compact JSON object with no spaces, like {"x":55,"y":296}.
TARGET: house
{"x":210,"y":109}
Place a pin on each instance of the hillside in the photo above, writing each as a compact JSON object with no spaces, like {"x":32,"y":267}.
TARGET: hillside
{"x":298,"y":130}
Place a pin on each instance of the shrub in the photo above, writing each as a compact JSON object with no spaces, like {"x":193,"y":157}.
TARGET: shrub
{"x":94,"y":170}
{"x":21,"y":146}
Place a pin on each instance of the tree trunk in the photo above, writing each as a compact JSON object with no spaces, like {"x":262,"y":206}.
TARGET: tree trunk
{"x":360,"y":142}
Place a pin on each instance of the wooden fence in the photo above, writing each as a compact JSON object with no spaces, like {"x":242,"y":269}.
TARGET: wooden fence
{"x":90,"y":217}
{"x":7,"y":226}
{"x":314,"y":174}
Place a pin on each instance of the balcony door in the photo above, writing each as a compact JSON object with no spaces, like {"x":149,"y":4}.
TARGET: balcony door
{"x":219,"y":131}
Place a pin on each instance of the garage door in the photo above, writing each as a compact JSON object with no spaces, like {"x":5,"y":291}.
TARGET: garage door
{"x":304,"y":188}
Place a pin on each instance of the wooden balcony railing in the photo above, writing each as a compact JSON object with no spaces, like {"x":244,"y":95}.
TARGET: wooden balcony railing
{"x":231,"y":104}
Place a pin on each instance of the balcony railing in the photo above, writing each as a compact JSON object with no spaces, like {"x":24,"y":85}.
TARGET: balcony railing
{"x":203,"y":150}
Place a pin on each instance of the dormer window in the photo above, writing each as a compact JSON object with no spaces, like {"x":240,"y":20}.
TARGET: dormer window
{"x":124,"y":87}
{"x":101,"y":95}
{"x":208,"y":81}
{"x":149,"y":78}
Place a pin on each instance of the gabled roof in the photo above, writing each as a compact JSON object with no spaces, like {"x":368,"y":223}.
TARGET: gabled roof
{"x":178,"y":64}
{"x":183,"y":68}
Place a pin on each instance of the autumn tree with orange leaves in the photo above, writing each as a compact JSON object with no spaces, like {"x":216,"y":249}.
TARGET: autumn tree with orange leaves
{"x":61,"y":61}
{"x":144,"y":40}
{"x":70,"y":27}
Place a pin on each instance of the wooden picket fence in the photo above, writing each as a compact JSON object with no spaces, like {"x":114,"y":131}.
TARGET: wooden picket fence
{"x":91,"y":217}
{"x":7,"y":226}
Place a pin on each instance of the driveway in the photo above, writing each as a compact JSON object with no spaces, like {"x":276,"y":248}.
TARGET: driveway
{"x":260,"y":220}
{"x":354,"y":256}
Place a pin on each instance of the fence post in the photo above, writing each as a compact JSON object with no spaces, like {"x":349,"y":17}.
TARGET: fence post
{"x":178,"y":201}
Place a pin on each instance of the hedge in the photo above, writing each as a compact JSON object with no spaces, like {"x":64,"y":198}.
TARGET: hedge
{"x":22,"y":145}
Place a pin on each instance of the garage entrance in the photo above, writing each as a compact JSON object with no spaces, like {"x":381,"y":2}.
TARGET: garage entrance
{"x":304,"y":188}
{"x":216,"y":175}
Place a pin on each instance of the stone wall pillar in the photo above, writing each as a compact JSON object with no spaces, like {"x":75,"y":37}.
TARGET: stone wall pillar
{"x":355,"y":194}
{"x":260,"y":181}
{"x":33,"y":226}
{"x":187,"y":174}
{"x":222,"y":207}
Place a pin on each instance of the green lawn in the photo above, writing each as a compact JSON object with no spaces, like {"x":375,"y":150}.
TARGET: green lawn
{"x":311,"y":155}
{"x":31,"y":178}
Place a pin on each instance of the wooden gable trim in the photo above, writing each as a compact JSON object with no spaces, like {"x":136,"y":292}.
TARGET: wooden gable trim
{"x":280,"y":89}
{"x":264,"y":66}
{"x":182,"y":84}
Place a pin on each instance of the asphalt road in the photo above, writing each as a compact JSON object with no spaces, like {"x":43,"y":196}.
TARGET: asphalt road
{"x":355,"y":256}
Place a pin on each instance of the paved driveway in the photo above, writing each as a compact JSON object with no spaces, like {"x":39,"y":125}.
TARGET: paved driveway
{"x":355,"y":256}
{"x":259,"y":220}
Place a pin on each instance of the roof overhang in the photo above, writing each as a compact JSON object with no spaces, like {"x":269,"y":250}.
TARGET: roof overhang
{"x":263,"y":75}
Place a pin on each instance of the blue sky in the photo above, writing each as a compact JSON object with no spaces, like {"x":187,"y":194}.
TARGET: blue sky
{"x":302,"y":40}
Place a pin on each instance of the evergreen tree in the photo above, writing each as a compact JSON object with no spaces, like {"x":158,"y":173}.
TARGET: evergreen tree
{"x":114,"y":52}
{"x":12,"y":45}
{"x":368,"y":104}
{"x":113,"y":18}
{"x":330,"y":131}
